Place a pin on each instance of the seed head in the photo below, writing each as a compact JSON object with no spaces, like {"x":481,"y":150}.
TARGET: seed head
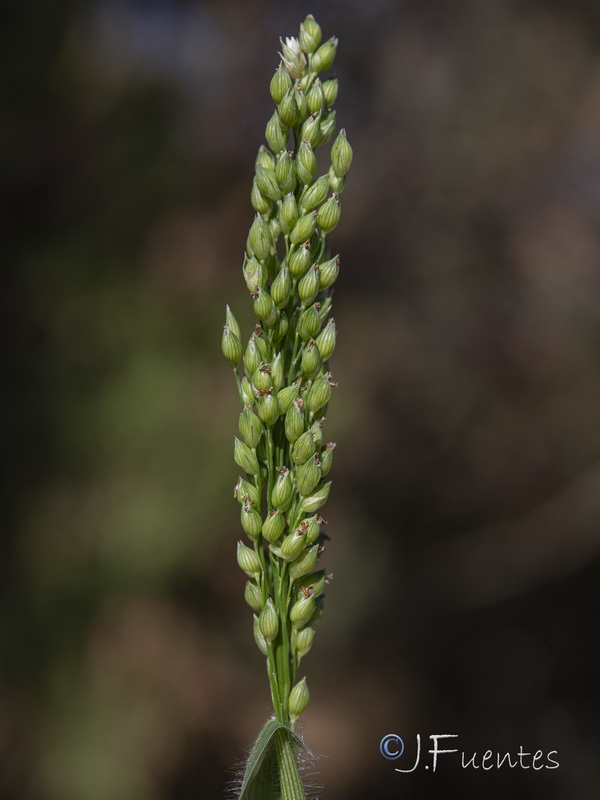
{"x":268,"y":621}
{"x":231,"y":346}
{"x":292,"y":58}
{"x":299,"y":699}
{"x":260,"y":640}
{"x":330,"y":91}
{"x":308,"y":286}
{"x":310,"y":34}
{"x":285,"y":172}
{"x":306,"y":563}
{"x":247,"y":560}
{"x":280,"y":84}
{"x":245,"y":457}
{"x":294,"y":420}
{"x":288,"y":213}
{"x":302,"y":611}
{"x":304,"y":228}
{"x":316,"y":500}
{"x":259,"y":237}
{"x":325,"y":55}
{"x":253,"y":596}
{"x":281,"y":496}
{"x":341,"y":155}
{"x":329,"y":214}
{"x":315,"y":194}
{"x":251,"y":428}
{"x":306,"y":162}
{"x":273,"y":526}
{"x":276,"y":134}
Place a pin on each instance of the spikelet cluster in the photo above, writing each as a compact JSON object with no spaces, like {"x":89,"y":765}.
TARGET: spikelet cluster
{"x":283,"y":373}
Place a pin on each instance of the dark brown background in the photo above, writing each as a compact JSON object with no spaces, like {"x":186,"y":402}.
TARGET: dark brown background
{"x":465,"y":512}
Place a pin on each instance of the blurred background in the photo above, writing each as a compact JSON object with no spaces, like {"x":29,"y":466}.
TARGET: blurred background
{"x":465,"y":512}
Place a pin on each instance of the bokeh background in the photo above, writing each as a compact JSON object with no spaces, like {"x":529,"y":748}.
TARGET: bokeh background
{"x":465,"y":515}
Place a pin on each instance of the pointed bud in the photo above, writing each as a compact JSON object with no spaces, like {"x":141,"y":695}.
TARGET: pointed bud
{"x":325,"y":55}
{"x":281,"y":495}
{"x":273,"y":526}
{"x":304,"y":228}
{"x":313,"y":582}
{"x":315,"y":194}
{"x":280,"y":328}
{"x":280,"y":84}
{"x":302,"y":611}
{"x":309,"y":323}
{"x":260,"y":203}
{"x":232,"y":322}
{"x":316,"y":430}
{"x":292,"y":58}
{"x":329,"y":214}
{"x":251,"y":357}
{"x":327,"y":458}
{"x":231,"y":346}
{"x":267,"y":183}
{"x":253,"y":596}
{"x":304,"y":640}
{"x":308,"y":475}
{"x":259,"y":238}
{"x":311,"y":360}
{"x":244,"y":457}
{"x":319,"y":393}
{"x":264,"y":158}
{"x":306,"y":162}
{"x":328,"y":272}
{"x":341,"y":155}
{"x":247,"y":393}
{"x":287,"y":396}
{"x":303,"y":448}
{"x":281,"y":288}
{"x":310,"y":34}
{"x":299,"y":699}
{"x":292,"y":545}
{"x":313,"y":529}
{"x":315,"y":100}
{"x":251,"y":521}
{"x":327,"y":127}
{"x":294,"y":421}
{"x":277,"y":376}
{"x":309,"y":286}
{"x":254,"y":273}
{"x":244,"y":490}
{"x":276,"y":134}
{"x":260,"y":640}
{"x":330,"y":90}
{"x":261,"y":378}
{"x":247,"y":560}
{"x":268,"y":408}
{"x":299,"y":260}
{"x":316,"y":500}
{"x":288,"y":110}
{"x":288,"y":214}
{"x":305,"y":564}
{"x":285,"y":172}
{"x":263,"y":305}
{"x":326,"y":339}
{"x":311,"y":129}
{"x":337,"y":184}
{"x":251,"y":428}
{"x":268,"y":621}
{"x":301,"y":103}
